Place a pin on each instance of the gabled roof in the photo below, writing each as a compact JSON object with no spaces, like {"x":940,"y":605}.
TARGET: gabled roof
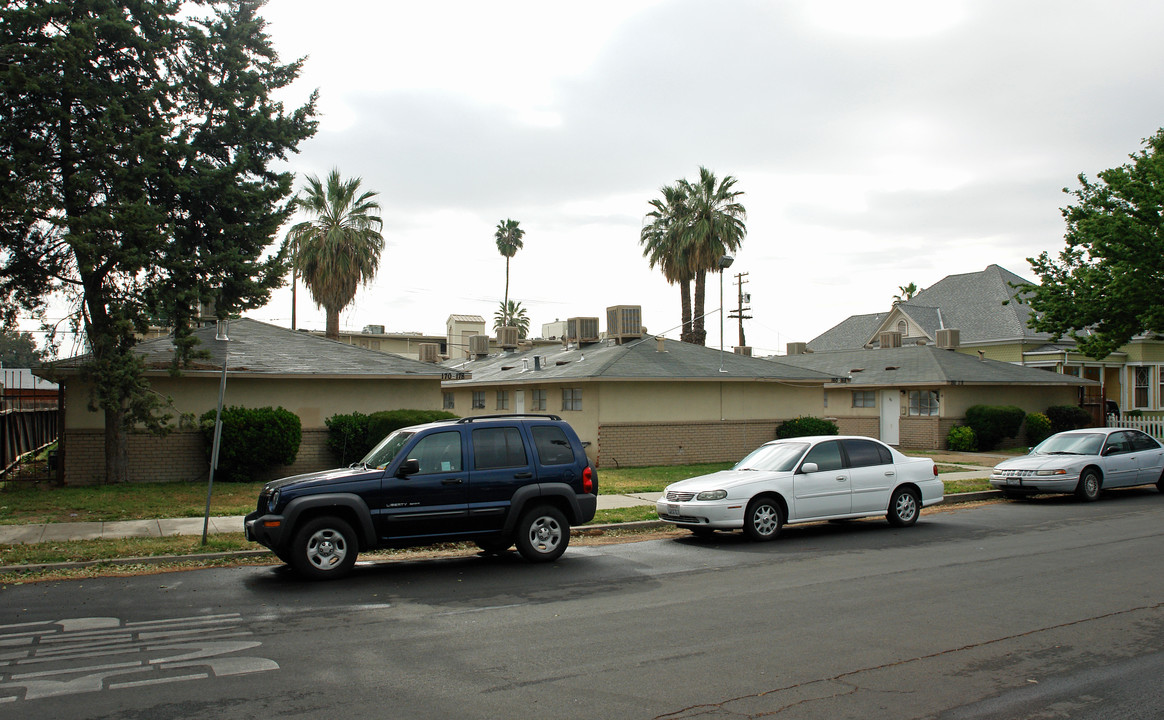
{"x":924,"y":365}
{"x":259,"y":349}
{"x":636,"y":360}
{"x":982,"y":306}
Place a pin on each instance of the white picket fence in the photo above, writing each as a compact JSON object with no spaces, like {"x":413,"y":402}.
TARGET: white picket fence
{"x":1154,"y":426}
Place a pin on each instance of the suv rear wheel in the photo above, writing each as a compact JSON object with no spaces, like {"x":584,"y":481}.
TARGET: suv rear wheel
{"x":324,"y":548}
{"x":542,"y":534}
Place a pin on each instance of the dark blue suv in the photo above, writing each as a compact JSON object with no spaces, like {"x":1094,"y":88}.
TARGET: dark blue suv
{"x":497,"y":480}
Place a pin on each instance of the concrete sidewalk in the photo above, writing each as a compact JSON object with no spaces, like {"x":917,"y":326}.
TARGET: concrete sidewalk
{"x":60,"y":532}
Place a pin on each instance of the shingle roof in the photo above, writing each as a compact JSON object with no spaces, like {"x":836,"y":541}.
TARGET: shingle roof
{"x":981,"y":305}
{"x":636,"y":360}
{"x":257,"y":348}
{"x":924,"y":365}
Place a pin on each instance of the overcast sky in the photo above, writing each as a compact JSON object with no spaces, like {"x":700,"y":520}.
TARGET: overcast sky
{"x":877,"y":142}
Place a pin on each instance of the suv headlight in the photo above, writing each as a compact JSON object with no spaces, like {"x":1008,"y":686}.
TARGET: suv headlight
{"x":711,"y":495}
{"x":273,"y":502}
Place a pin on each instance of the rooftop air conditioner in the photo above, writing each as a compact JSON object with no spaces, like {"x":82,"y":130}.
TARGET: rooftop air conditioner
{"x":624,"y":321}
{"x":507,"y":338}
{"x":889,"y":339}
{"x":430,"y":352}
{"x":373,"y":329}
{"x":796,"y":348}
{"x":478,"y":345}
{"x":949,"y":338}
{"x":582,"y":329}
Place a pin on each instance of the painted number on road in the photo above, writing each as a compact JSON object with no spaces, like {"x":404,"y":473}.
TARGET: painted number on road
{"x":76,"y":655}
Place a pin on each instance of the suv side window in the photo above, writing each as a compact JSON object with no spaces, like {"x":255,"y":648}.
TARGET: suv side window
{"x":498,"y":447}
{"x":552,"y":445}
{"x":438,"y":453}
{"x":863,"y":453}
{"x":826,"y":455}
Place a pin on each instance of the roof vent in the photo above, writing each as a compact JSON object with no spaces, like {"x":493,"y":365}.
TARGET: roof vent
{"x":581,"y":330}
{"x":889,"y":339}
{"x":624,"y":322}
{"x":430,"y":352}
{"x":660,"y":346}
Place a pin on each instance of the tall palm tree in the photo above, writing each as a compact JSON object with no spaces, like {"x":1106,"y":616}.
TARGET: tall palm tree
{"x":715,"y":227}
{"x":340,"y":248}
{"x":662,"y":238}
{"x":512,"y":314}
{"x":508,"y":236}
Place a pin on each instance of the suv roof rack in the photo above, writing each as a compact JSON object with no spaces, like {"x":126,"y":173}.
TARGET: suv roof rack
{"x":509,"y":416}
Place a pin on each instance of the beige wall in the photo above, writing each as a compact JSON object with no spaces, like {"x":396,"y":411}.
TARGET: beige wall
{"x":312,"y":400}
{"x":954,"y":400}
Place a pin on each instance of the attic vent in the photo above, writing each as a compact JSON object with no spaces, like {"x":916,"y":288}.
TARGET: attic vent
{"x":889,"y":339}
{"x":478,"y":345}
{"x":624,"y":322}
{"x":507,"y":338}
{"x":582,"y":330}
{"x":430,"y":352}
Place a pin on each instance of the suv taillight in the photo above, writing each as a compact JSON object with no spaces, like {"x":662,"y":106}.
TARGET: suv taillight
{"x":588,"y":480}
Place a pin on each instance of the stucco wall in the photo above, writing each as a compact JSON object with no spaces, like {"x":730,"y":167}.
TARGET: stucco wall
{"x":955,"y":400}
{"x":680,"y":443}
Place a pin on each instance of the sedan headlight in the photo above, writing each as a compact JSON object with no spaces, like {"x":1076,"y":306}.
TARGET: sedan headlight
{"x":711,"y":495}
{"x":1059,"y":471}
{"x":273,"y":501}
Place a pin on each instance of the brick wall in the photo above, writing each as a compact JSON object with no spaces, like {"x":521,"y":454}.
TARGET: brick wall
{"x":921,"y":433}
{"x":637,"y":444}
{"x":177,"y":457}
{"x":866,"y":426}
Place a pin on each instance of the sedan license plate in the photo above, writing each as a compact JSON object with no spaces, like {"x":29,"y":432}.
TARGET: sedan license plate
{"x":1014,"y":481}
{"x":673,"y":510}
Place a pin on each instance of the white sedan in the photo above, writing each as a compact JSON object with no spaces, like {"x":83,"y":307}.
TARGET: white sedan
{"x":802,"y":480}
{"x":1083,"y":462}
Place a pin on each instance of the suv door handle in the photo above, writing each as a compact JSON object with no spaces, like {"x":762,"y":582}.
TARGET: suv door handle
{"x":451,"y":481}
{"x":522,"y":476}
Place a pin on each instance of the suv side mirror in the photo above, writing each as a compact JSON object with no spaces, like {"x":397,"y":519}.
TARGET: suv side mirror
{"x":809,"y":468}
{"x":411,"y":466}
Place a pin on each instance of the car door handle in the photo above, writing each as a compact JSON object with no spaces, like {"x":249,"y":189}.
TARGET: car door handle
{"x":522,"y":476}
{"x":889,"y":473}
{"x":451,"y":481}
{"x":841,"y":478}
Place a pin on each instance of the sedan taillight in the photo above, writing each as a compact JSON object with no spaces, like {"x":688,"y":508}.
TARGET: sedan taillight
{"x":935,"y":470}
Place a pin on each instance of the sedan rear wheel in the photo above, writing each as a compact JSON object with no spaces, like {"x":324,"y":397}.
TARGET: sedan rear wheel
{"x":1089,"y":486}
{"x":904,"y":507}
{"x":763,"y":518}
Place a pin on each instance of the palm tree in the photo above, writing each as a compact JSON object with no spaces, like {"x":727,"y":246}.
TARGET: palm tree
{"x":340,"y":248}
{"x":512,"y":314}
{"x":508,"y":236}
{"x":907,"y":292}
{"x":662,"y":238}
{"x":715,"y":228}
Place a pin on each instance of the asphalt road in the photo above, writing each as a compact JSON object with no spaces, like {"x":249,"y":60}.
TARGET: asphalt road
{"x":1039,"y":609}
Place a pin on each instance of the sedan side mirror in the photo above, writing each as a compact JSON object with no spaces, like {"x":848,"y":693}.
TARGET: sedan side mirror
{"x":411,"y":466}
{"x":809,"y":468}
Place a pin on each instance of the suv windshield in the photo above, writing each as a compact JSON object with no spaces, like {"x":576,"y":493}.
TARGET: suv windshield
{"x":780,"y":457}
{"x":1071,"y":444}
{"x":383,"y":454}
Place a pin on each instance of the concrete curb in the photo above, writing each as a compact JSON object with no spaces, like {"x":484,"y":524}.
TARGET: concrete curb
{"x":242,"y":554}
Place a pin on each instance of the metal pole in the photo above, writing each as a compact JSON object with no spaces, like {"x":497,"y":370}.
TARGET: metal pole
{"x":217,"y":428}
{"x":721,"y":320}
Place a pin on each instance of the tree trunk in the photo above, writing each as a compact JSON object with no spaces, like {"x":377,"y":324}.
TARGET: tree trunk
{"x":332,"y":331}
{"x":505,"y":302}
{"x":698,"y":334}
{"x":116,"y":447}
{"x":685,"y":303}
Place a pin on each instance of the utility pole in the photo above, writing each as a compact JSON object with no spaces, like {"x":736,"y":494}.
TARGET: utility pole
{"x":738,"y":313}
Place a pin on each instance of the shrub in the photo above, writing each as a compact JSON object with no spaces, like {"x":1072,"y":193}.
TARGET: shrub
{"x":383,"y":422}
{"x":253,"y":439}
{"x":347,"y":437}
{"x":992,"y":423}
{"x":1067,"y":417}
{"x":1038,"y":428}
{"x":806,"y":425}
{"x":961,"y":438}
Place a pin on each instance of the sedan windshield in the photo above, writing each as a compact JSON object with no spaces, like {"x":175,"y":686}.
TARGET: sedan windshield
{"x":779,"y":457}
{"x":383,"y":454}
{"x":1071,"y":444}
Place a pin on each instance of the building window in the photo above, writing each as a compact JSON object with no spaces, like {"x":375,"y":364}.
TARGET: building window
{"x":1142,"y":383}
{"x":864,"y":398}
{"x":449,"y":404}
{"x":902,"y":328}
{"x":923,"y":402}
{"x":571,"y":398}
{"x":478,"y":399}
{"x":538,"y":400}
{"x":502,"y":399}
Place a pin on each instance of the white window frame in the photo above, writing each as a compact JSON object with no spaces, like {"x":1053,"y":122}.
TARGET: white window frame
{"x":1146,"y":387}
{"x":931,"y":407}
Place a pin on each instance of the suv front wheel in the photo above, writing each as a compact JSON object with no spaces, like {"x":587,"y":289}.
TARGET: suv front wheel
{"x":324,"y":548}
{"x":542,"y":534}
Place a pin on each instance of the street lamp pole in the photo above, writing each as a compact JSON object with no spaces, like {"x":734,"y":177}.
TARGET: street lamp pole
{"x":725,"y":262}
{"x":221,"y":336}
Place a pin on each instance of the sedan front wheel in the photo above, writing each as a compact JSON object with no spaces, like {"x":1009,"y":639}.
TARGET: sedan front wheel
{"x":1089,"y":486}
{"x":762,"y":519}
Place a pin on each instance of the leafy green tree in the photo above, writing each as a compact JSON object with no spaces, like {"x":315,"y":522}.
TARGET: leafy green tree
{"x":135,"y":145}
{"x":18,"y":350}
{"x":508,"y":236}
{"x":686,"y":233}
{"x":512,"y":315}
{"x":340,"y":249}
{"x":1105,"y":286}
{"x":662,"y":240}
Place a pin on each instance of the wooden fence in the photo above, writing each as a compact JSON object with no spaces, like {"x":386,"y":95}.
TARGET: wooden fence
{"x":1154,"y":426}
{"x":25,"y":430}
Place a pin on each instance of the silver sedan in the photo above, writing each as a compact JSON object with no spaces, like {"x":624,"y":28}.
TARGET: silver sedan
{"x":1084,"y":462}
